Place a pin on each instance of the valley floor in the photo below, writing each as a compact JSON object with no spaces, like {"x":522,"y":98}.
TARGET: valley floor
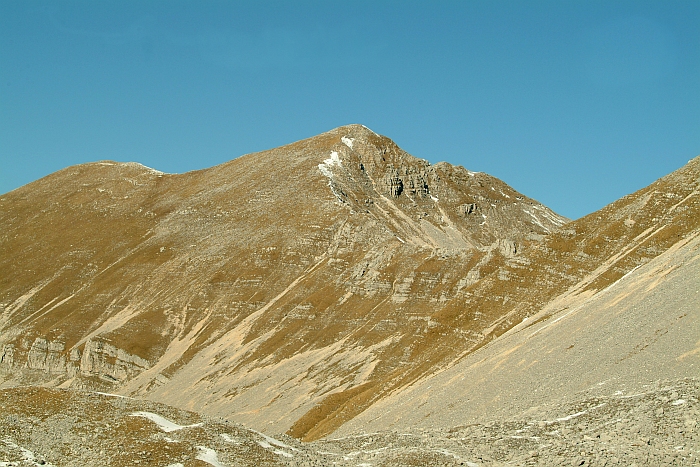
{"x":658,"y":426}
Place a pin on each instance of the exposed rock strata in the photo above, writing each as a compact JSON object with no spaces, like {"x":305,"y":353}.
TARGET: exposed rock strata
{"x":98,"y":358}
{"x":104,"y":359}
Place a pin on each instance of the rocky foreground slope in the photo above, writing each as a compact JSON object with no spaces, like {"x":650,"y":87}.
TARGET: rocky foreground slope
{"x":293,"y":289}
{"x":54,"y":427}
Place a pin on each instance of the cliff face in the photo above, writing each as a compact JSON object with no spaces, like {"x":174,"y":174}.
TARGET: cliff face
{"x":98,"y":358}
{"x":293,"y":288}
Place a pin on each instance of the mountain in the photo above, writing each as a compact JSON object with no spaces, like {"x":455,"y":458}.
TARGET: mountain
{"x":294,"y":289}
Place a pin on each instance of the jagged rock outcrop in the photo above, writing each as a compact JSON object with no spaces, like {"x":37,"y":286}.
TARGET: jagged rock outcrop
{"x":467,"y":209}
{"x":8,"y":355}
{"x":392,"y":184}
{"x":396,"y":180}
{"x":105,"y":360}
{"x":98,"y":358}
{"x":47,"y":355}
{"x":508,"y":248}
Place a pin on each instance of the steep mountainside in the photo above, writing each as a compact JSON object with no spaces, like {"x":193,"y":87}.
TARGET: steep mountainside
{"x":293,"y":288}
{"x":636,"y":336}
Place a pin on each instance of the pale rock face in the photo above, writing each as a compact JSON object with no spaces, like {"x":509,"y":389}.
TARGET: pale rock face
{"x":467,"y":209}
{"x":8,"y":355}
{"x":98,"y":358}
{"x":47,"y":355}
{"x":392,"y":184}
{"x":508,"y":248}
{"x":104,"y":359}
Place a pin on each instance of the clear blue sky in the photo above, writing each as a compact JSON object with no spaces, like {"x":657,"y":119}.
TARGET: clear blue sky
{"x":574,"y":103}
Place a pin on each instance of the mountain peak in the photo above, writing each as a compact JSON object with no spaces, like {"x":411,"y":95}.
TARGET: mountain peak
{"x":371,"y":174}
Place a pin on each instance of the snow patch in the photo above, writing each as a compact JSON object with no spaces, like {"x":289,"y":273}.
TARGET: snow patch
{"x":266,"y":445}
{"x":434,"y":198}
{"x":555,"y":219}
{"x":327,"y":164}
{"x":209,"y":456}
{"x":149,"y":169}
{"x":447,"y":453}
{"x":678,"y":402}
{"x":369,"y":129}
{"x":574,"y":415}
{"x":347,"y":141}
{"x":325,"y":168}
{"x":112,"y":395}
{"x":26,"y":453}
{"x":163,"y":423}
{"x":632,"y":396}
{"x":363,"y":435}
{"x":276,"y":442}
{"x":536,"y":219}
{"x":269,"y":443}
{"x":229,"y":439}
{"x":620,"y":279}
{"x":569,"y":417}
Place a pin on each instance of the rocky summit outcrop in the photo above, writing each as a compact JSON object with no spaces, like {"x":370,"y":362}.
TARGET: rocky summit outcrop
{"x":294,"y":288}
